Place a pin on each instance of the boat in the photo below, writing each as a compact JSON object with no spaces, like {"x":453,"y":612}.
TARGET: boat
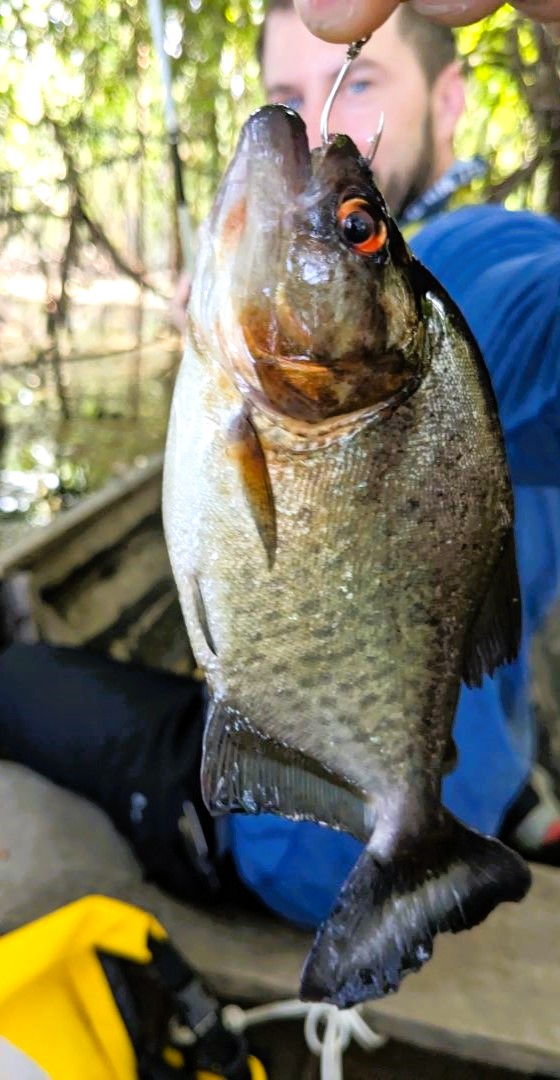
{"x":98,"y":576}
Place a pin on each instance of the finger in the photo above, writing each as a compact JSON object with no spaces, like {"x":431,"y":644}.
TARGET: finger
{"x":457,"y":12}
{"x":337,"y":20}
{"x":461,"y":12}
{"x":546,"y":11}
{"x":340,"y":21}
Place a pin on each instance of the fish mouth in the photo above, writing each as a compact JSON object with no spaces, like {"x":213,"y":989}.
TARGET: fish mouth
{"x":286,"y":295}
{"x":277,"y":136}
{"x":270,"y":170}
{"x":253,"y":214}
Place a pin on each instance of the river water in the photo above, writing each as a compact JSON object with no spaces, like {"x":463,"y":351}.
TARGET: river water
{"x":117,"y":400}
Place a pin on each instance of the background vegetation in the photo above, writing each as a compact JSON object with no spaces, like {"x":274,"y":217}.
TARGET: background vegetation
{"x":85,"y":186}
{"x":88,"y":239}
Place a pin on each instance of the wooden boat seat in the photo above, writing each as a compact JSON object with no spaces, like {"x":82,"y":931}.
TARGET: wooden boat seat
{"x":491,"y":994}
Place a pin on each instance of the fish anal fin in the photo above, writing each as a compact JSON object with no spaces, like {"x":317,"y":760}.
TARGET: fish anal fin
{"x":495,"y":631}
{"x":245,"y":770}
{"x":244,"y":447}
{"x":388,"y":913}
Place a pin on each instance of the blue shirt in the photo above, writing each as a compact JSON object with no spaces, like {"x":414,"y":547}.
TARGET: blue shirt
{"x":503,"y":270}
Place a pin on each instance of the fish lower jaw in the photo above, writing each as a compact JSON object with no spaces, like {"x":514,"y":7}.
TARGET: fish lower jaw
{"x":303,"y":436}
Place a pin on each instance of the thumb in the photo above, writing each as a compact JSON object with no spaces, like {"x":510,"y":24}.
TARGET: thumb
{"x":344,"y":21}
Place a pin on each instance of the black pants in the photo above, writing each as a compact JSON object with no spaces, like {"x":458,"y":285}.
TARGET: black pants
{"x":129,"y":739}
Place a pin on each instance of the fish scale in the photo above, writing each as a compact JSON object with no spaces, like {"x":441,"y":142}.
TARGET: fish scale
{"x":354,"y":558}
{"x":339,"y":519}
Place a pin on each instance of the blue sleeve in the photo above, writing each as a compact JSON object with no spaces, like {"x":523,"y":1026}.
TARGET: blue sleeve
{"x":296,"y":867}
{"x":503,"y":271}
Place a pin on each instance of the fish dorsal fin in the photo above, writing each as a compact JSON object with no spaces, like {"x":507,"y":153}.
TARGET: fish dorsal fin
{"x":245,"y":770}
{"x":495,"y":631}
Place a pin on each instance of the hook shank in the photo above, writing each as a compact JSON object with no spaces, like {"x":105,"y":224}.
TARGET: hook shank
{"x":353,"y":51}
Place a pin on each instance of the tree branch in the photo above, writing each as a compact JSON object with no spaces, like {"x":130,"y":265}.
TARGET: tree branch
{"x":499,"y":192}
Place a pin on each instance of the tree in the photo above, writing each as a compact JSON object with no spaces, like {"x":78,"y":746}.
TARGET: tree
{"x":85,"y":183}
{"x":514,"y":114}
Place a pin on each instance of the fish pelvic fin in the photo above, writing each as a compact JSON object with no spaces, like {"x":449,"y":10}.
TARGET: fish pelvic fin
{"x":387,"y":915}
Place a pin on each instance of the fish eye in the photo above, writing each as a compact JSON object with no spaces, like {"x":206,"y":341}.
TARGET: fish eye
{"x":358,"y":227}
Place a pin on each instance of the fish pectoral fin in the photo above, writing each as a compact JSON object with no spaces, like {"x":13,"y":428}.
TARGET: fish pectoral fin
{"x":201,"y":613}
{"x":244,"y":770}
{"x":495,"y":631}
{"x":244,"y":447}
{"x":388,"y":913}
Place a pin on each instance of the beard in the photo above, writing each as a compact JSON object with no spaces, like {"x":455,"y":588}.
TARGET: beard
{"x":400,"y":190}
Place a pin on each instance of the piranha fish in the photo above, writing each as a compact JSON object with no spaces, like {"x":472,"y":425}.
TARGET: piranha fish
{"x":338,"y":514}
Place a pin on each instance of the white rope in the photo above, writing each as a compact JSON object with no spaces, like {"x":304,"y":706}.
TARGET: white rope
{"x":328,"y":1030}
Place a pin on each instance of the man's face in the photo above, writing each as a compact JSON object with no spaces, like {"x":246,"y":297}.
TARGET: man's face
{"x":299,"y":70}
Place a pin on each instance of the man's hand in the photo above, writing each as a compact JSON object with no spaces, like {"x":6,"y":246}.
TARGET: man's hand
{"x":347,"y":20}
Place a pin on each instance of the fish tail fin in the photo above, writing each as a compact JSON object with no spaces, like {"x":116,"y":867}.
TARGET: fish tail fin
{"x":388,"y":913}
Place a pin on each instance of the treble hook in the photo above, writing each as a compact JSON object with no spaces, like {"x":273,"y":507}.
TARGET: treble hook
{"x":353,"y":51}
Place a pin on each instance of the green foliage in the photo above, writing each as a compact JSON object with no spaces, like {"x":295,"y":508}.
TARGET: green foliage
{"x":513,"y":117}
{"x":86,"y":193}
{"x":81,"y":107}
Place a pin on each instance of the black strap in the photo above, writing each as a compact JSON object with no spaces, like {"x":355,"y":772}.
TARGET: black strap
{"x":164,"y":999}
{"x":216,"y":1049}
{"x":146,"y":1009}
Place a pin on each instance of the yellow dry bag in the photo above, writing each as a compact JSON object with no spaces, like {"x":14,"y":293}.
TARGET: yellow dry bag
{"x":95,"y":991}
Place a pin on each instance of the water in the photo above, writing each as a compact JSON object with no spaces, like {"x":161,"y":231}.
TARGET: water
{"x":118,"y":407}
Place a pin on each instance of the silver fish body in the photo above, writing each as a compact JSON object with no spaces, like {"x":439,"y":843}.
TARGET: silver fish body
{"x":342,"y":543}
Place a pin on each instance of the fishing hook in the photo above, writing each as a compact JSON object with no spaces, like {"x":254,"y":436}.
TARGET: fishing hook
{"x":353,"y":51}
{"x":374,"y":140}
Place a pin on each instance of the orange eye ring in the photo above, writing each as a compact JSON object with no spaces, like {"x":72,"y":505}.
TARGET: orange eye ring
{"x":359,"y":229}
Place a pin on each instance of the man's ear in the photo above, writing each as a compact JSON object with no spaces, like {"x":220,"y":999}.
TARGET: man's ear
{"x":448,"y":101}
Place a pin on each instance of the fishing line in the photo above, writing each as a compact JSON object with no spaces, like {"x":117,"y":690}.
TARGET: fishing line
{"x":172,"y":126}
{"x":328,"y":1030}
